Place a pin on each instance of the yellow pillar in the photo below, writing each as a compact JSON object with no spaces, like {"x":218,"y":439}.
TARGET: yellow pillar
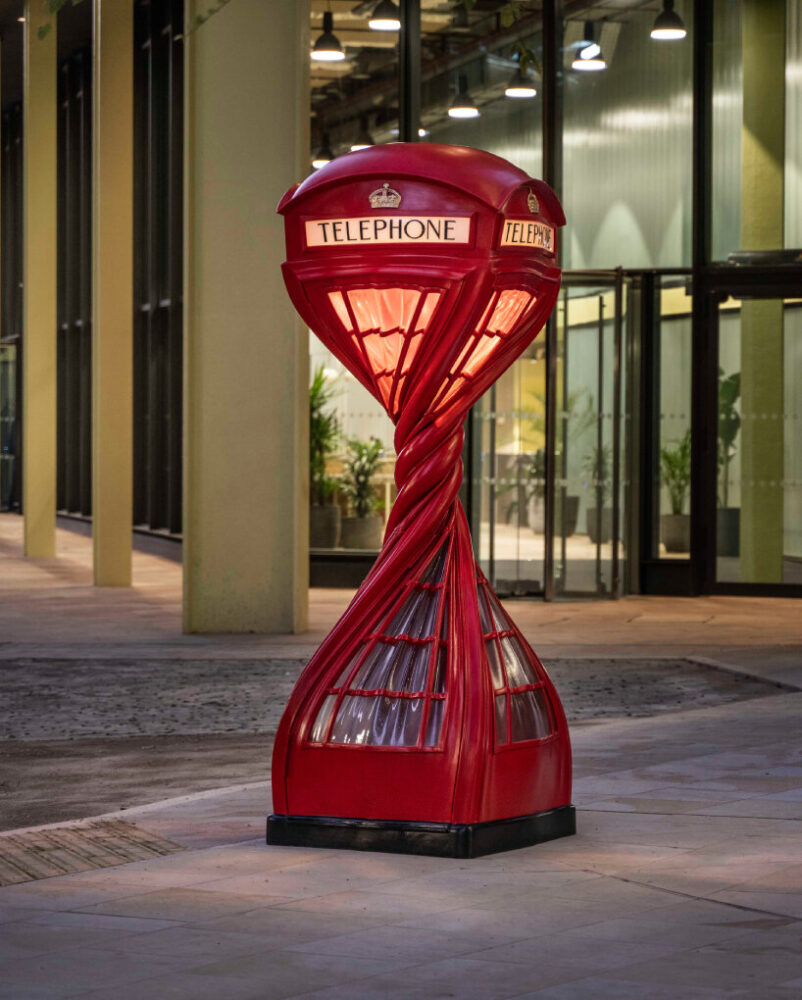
{"x":763,"y":164}
{"x":112,"y":292}
{"x":245,"y":354}
{"x":39,"y":284}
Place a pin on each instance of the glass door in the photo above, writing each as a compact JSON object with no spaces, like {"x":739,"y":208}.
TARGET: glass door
{"x":545,"y":461}
{"x":758,"y":503}
{"x":509,"y":476}
{"x":585,"y":446}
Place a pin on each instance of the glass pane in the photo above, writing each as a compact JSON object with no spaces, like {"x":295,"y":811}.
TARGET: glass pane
{"x":757,"y":137}
{"x":378,"y":721}
{"x":759,"y":516}
{"x":9,"y":426}
{"x":584,"y":488}
{"x":674,"y":420}
{"x":322,"y":720}
{"x":353,"y":101}
{"x":501,"y":718}
{"x":494,"y":659}
{"x":627,"y":139}
{"x":516,"y":662}
{"x":529,"y":715}
{"x":435,"y":723}
{"x":486,"y":62}
{"x":400,"y":666}
{"x":440,"y":673}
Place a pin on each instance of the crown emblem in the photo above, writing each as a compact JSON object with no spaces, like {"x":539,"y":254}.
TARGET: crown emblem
{"x":532,"y":202}
{"x":385,"y":197}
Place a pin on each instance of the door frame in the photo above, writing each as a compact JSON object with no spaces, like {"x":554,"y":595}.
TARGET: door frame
{"x":713,"y":286}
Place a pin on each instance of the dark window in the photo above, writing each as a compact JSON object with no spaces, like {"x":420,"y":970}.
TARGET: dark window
{"x":74,"y":464}
{"x":158,"y":132}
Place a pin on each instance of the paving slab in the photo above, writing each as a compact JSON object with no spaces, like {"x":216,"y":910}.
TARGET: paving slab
{"x":682,"y":883}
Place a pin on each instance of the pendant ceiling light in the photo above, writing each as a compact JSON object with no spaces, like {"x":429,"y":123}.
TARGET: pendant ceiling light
{"x":364,"y":139}
{"x":520,"y":85}
{"x":327,"y":48}
{"x":589,"y":58}
{"x":385,"y":17}
{"x":463,"y":105}
{"x":668,"y":25}
{"x":324,"y":155}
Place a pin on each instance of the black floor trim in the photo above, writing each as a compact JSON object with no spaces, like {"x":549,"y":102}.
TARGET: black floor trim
{"x":445,"y":840}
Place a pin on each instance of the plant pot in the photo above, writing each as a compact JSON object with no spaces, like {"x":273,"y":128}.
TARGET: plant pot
{"x":324,"y":526}
{"x":570,"y":514}
{"x":600,"y":525}
{"x":728,"y":531}
{"x":536,"y":514}
{"x":362,"y":532}
{"x":675,"y":532}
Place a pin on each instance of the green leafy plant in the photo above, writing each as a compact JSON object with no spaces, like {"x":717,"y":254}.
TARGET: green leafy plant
{"x":729,"y":423}
{"x":508,"y":14}
{"x":324,"y":434}
{"x":675,"y":469}
{"x":598,"y":469}
{"x":361,"y":464}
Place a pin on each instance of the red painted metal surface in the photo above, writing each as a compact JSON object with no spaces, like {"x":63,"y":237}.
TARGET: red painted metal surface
{"x":426,"y":270}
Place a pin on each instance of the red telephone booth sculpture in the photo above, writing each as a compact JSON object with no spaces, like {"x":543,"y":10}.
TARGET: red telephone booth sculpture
{"x":424,"y":723}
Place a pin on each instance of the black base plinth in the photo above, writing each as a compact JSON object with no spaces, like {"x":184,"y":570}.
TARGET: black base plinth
{"x":444,"y":840}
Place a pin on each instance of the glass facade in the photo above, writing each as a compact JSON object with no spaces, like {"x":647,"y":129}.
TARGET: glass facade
{"x":640,"y":441}
{"x":589,"y":464}
{"x":757,"y":125}
{"x":759,"y":498}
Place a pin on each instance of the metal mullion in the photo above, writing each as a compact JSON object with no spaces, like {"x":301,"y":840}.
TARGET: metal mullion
{"x":141,"y":58}
{"x":551,"y":410}
{"x":69,"y":247}
{"x":704,"y":353}
{"x":84,"y":333}
{"x":152,"y":395}
{"x":409,"y":71}
{"x":552,"y":95}
{"x":617,"y":330}
{"x":564,"y":443}
{"x":599,"y":442}
{"x":175,"y":269}
{"x":62,"y":315}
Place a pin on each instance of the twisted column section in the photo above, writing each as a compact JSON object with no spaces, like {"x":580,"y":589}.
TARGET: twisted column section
{"x":428,"y":474}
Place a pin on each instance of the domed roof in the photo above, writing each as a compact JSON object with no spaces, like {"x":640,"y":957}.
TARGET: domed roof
{"x":483,"y":175}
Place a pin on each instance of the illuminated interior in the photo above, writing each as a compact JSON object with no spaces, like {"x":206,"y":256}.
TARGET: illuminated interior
{"x":501,"y":319}
{"x":387,"y":327}
{"x":521,"y":708}
{"x":392,"y":693}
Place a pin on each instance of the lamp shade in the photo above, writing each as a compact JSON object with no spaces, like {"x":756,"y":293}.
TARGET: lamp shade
{"x":520,"y":86}
{"x":327,"y":48}
{"x":668,"y":25}
{"x":385,"y":17}
{"x":463,"y":105}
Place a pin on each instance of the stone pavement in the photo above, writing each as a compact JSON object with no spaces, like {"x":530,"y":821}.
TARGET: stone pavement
{"x":684,"y":880}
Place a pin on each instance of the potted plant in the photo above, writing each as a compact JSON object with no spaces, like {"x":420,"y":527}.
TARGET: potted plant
{"x":533,"y":466}
{"x":598,"y":469}
{"x":728,"y":519}
{"x":363,"y":530}
{"x":533,"y":474}
{"x":324,"y":514}
{"x":675,"y":467}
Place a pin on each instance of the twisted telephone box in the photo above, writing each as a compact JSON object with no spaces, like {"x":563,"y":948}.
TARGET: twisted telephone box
{"x":424,"y":723}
